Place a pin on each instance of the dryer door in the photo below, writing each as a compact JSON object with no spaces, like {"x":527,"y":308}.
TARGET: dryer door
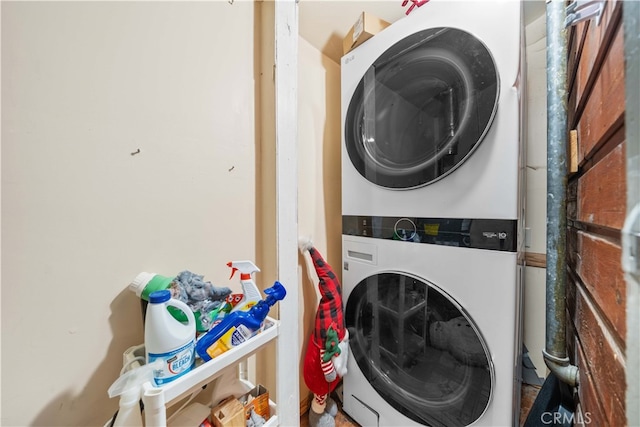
{"x":421,"y":108}
{"x":419,"y":350}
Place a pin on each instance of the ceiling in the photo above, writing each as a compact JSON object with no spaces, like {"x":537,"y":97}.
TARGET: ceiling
{"x":324,"y":23}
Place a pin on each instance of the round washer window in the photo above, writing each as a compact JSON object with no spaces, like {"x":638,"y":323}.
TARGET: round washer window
{"x":419,"y":350}
{"x":421,"y":108}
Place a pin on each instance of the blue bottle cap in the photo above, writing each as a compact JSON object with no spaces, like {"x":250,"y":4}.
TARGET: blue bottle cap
{"x":159,"y":297}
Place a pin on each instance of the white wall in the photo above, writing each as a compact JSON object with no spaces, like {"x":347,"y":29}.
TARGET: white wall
{"x":85,"y":85}
{"x":319,"y":150}
{"x":536,"y":193}
{"x":319,"y":192}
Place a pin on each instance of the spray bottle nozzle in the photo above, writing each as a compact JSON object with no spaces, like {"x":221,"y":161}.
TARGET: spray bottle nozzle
{"x":132,"y":381}
{"x":245,"y":267}
{"x":275,"y":293}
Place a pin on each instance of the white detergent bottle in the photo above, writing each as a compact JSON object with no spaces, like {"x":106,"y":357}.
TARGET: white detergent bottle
{"x":168,"y":339}
{"x":250,"y":292}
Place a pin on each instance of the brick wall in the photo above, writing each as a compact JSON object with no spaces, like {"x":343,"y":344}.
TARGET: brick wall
{"x":596,"y":208}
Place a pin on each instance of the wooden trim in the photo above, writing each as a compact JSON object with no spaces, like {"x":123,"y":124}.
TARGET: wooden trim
{"x":573,"y":147}
{"x":533,"y":259}
{"x":600,"y":199}
{"x":605,"y":43}
{"x":286,"y":117}
{"x":305,"y":404}
{"x":576,"y":55}
{"x":613,"y":235}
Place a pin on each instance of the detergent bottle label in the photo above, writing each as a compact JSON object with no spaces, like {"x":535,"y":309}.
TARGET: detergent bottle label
{"x":175,"y":363}
{"x":233,"y":337}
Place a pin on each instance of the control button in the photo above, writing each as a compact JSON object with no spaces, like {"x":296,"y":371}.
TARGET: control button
{"x":405,"y":229}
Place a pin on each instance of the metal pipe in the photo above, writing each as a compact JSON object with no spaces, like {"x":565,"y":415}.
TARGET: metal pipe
{"x":555,"y":353}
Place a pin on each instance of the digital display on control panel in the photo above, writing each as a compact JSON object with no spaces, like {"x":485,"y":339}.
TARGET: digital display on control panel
{"x":492,"y":234}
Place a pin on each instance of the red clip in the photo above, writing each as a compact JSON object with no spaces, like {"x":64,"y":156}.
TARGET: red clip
{"x":417,"y":3}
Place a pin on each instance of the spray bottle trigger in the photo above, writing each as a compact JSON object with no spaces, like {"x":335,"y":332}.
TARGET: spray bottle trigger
{"x":233,"y":269}
{"x":134,"y":379}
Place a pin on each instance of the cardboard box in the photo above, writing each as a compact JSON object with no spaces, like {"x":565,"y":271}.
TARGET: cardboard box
{"x":193,"y":415}
{"x":229,"y":413}
{"x":258,"y":400}
{"x":365,"y":27}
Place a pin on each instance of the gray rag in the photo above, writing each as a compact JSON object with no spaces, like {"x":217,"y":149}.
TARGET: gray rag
{"x":200,"y":296}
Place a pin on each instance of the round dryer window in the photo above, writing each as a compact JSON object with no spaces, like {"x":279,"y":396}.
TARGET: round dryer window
{"x":421,"y":108}
{"x":419,"y":350}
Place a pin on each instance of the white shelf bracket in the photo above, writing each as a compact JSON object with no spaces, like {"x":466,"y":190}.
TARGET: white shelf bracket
{"x":582,"y":10}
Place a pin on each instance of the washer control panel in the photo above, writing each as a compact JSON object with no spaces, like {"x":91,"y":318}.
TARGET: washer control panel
{"x":491,"y":234}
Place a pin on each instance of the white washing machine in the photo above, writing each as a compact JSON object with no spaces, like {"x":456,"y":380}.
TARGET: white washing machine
{"x":431,"y":114}
{"x":434,"y":335}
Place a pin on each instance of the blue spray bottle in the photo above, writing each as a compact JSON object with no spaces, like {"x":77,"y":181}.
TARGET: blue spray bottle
{"x":238,"y":326}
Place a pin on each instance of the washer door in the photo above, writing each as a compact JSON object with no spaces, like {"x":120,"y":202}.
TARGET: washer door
{"x":421,"y":108}
{"x":419,"y":350}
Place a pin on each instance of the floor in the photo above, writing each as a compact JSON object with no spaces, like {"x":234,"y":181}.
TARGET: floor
{"x":529,"y":393}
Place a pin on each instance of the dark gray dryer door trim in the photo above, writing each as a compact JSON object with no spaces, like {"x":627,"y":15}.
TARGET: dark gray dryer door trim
{"x":422,"y":108}
{"x":419,"y":349}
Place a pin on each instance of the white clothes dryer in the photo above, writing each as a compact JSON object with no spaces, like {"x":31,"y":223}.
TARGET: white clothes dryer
{"x":434,"y":329}
{"x":431,"y":114}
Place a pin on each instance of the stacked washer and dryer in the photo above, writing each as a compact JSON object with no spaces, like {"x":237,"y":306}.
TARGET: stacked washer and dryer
{"x":432,"y":176}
